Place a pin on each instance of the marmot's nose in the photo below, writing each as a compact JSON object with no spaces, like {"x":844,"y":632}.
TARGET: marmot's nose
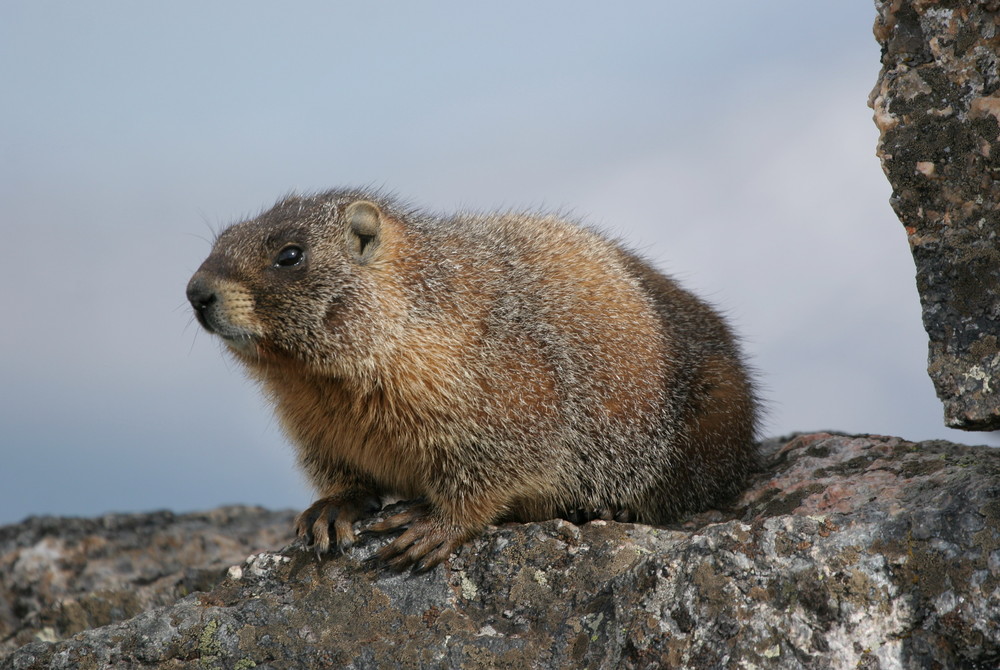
{"x":201,"y":295}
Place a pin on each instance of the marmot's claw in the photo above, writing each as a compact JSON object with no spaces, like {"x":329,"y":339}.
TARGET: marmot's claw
{"x":340,"y":512}
{"x":427,"y":542}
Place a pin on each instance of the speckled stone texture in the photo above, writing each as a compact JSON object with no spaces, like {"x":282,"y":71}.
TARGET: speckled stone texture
{"x":846,"y":552}
{"x":937,"y":106}
{"x":60,"y":576}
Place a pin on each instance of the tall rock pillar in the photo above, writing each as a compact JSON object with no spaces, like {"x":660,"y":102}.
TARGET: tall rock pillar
{"x":937,"y":106}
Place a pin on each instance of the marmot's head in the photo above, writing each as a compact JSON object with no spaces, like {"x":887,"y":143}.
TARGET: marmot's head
{"x":301,"y":281}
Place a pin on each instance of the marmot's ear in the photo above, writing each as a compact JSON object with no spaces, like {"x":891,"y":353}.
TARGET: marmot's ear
{"x":364,"y":229}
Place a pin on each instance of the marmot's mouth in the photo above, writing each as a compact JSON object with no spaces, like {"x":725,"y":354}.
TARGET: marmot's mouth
{"x":235,"y":336}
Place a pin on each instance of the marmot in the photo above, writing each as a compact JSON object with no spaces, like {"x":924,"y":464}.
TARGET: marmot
{"x":499,"y":367}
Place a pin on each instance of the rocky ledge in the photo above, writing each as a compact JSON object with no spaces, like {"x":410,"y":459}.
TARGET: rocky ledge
{"x":847,"y":552}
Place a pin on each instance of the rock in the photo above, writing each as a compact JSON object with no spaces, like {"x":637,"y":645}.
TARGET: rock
{"x":59,"y":576}
{"x":937,"y":106}
{"x":846,"y":552}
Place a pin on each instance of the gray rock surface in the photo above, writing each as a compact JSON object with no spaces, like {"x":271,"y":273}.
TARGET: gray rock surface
{"x":847,"y":552}
{"x":59,"y":576}
{"x":937,"y":105}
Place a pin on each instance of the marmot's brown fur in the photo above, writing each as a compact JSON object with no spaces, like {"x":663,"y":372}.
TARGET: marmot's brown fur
{"x":498,"y":366}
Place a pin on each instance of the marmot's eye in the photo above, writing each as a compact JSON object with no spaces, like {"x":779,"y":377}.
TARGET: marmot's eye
{"x":289,"y":256}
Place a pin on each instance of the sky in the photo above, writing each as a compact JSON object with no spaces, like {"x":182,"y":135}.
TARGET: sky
{"x":729,"y":142}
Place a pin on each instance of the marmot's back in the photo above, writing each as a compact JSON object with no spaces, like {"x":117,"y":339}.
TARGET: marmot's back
{"x":500,"y":366}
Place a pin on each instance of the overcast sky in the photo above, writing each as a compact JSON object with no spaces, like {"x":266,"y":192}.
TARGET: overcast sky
{"x":728,"y":141}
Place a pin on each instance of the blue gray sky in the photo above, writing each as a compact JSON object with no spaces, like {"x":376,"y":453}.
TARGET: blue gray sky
{"x":728,"y":141}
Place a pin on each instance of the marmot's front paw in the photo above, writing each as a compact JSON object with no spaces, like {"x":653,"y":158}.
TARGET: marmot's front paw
{"x":341,"y":511}
{"x":427,"y":541}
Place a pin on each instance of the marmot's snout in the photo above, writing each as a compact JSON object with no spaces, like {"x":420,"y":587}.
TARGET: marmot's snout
{"x":202,"y":296}
{"x":223,"y":308}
